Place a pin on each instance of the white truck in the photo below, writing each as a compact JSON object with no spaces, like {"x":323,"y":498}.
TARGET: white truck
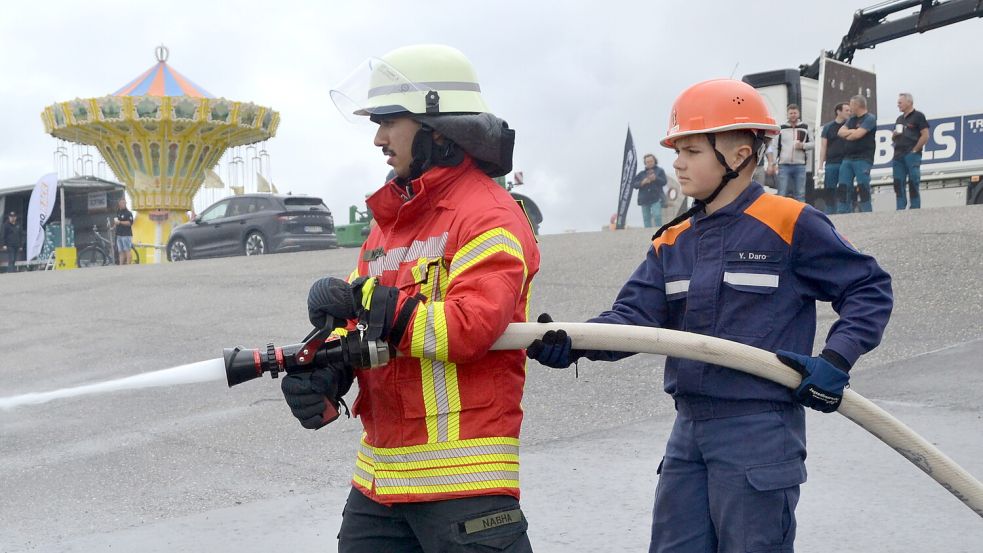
{"x":952,"y":162}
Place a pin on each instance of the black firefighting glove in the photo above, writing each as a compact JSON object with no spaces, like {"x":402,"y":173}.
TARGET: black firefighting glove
{"x":555,"y":348}
{"x":314,"y":396}
{"x":333,"y":301}
{"x":822,"y":380}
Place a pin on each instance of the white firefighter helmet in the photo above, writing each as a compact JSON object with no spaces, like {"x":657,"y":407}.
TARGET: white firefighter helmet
{"x":422,"y":79}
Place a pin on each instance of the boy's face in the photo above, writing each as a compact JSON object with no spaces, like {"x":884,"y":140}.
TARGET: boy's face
{"x":395,"y":137}
{"x":697,"y":168}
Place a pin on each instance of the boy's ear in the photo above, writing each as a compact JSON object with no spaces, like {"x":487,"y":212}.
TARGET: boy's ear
{"x":743,"y":152}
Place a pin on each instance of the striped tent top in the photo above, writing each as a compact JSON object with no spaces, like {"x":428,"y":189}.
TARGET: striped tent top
{"x":162,"y":80}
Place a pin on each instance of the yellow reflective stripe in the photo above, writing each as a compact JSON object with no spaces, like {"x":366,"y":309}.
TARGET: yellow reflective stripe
{"x":485,"y":245}
{"x":430,"y":398}
{"x":477,"y":463}
{"x":446,"y":471}
{"x":353,"y":275}
{"x":467,"y":486}
{"x":494,"y":444}
{"x":439,"y":328}
{"x":366,"y":292}
{"x":430,"y":332}
{"x":361,"y":480}
{"x":447,"y":479}
{"x":363,"y":459}
{"x":442,"y":400}
{"x":439,"y":462}
{"x":419,"y":331}
{"x":453,"y":402}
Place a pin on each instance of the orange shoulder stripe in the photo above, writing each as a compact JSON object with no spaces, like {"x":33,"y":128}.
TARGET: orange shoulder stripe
{"x":668,"y":237}
{"x":778,"y":213}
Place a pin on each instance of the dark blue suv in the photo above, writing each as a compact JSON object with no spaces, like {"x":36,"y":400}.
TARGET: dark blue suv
{"x":254,"y":224}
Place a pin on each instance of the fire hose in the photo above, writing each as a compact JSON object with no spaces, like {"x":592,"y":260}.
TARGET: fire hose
{"x":247,"y":364}
{"x":760,"y":363}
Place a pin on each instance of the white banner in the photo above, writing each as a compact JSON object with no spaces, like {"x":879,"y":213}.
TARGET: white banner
{"x":38,"y":212}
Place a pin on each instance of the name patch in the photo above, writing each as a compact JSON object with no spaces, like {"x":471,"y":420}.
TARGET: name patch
{"x":372,"y":255}
{"x":495,"y":520}
{"x":751,"y":256}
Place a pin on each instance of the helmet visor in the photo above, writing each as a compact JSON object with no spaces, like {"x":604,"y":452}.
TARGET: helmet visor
{"x":376,"y":88}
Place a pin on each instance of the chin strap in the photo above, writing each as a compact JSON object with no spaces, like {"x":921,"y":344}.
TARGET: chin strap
{"x":730,"y":174}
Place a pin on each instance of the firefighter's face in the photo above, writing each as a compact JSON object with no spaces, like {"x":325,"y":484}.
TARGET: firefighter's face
{"x":395,"y":137}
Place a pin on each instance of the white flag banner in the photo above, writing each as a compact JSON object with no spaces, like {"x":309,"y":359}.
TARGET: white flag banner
{"x":38,"y":212}
{"x":212,"y":180}
{"x":262,"y":185}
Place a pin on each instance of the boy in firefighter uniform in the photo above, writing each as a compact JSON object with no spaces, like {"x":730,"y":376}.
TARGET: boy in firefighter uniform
{"x":749,"y":267}
{"x":447,"y":266}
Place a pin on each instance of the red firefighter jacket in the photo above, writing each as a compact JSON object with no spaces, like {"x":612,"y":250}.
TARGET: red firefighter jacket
{"x":442,"y":420}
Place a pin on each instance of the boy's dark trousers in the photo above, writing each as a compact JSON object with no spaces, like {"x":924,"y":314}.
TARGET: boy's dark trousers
{"x":729,"y":482}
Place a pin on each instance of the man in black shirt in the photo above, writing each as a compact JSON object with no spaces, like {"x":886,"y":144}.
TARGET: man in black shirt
{"x":830,"y":156}
{"x":11,"y":240}
{"x":124,"y":233}
{"x":910,"y":136}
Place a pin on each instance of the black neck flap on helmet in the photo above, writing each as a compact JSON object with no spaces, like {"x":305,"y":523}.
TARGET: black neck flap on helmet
{"x":729,"y":175}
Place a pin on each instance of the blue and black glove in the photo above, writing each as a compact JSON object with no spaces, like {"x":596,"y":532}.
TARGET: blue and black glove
{"x":554,"y":349}
{"x":823,"y":378}
{"x":314,"y":396}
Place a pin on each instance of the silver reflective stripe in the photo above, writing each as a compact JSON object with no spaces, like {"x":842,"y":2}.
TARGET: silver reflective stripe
{"x":430,"y":334}
{"x":448,"y":479}
{"x":432,"y":247}
{"x":493,"y":449}
{"x":751,"y":279}
{"x":363,"y":475}
{"x":677,"y":287}
{"x":423,"y":87}
{"x":440,"y":391}
{"x":485,"y":244}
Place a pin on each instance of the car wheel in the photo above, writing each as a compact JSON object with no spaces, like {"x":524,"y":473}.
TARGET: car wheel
{"x":178,"y":250}
{"x":255,"y":244}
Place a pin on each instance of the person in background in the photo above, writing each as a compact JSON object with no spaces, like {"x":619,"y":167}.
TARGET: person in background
{"x":830,"y":157}
{"x":124,"y":233}
{"x":858,"y":155}
{"x":11,"y":240}
{"x":650,"y":182}
{"x":909,"y":137}
{"x":793,"y":142}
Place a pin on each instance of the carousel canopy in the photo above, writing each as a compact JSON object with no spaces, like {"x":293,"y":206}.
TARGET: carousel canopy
{"x":162,"y":80}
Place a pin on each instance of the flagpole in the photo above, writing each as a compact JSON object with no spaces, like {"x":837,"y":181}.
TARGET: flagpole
{"x":61,"y":189}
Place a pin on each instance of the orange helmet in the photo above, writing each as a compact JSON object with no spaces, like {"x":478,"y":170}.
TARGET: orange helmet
{"x":716,"y":106}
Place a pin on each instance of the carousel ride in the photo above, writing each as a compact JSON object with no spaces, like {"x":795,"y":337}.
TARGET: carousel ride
{"x":161,"y":134}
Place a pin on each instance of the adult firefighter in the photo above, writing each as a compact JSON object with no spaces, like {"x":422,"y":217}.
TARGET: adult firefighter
{"x":749,"y":267}
{"x":445,"y":270}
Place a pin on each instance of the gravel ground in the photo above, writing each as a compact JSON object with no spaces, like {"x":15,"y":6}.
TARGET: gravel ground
{"x":201,"y":467}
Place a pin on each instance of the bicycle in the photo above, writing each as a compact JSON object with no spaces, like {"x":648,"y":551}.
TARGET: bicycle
{"x":102,"y":252}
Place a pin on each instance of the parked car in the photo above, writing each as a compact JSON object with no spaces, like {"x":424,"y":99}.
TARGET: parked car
{"x":255,"y":224}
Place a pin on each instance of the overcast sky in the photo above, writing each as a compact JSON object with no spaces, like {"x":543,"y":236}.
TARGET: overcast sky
{"x":568,"y":76}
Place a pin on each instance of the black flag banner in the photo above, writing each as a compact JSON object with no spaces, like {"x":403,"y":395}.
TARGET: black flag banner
{"x":627,"y":174}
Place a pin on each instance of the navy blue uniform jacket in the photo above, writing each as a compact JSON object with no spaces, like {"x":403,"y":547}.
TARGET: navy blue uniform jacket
{"x":752,"y":272}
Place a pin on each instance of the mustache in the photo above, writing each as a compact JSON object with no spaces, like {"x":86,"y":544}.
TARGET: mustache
{"x":388,"y":152}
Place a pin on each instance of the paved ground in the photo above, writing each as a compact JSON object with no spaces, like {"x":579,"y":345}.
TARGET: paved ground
{"x":203,"y":468}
